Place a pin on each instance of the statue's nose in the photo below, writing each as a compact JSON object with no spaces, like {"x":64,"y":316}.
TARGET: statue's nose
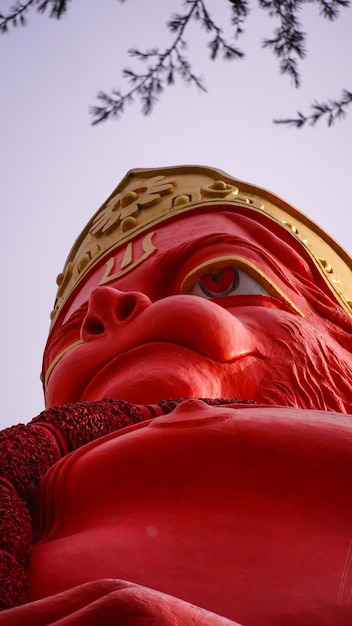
{"x":110,"y":308}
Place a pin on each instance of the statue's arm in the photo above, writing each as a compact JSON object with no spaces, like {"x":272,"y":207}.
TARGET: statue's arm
{"x":27,"y":451}
{"x":112,"y":603}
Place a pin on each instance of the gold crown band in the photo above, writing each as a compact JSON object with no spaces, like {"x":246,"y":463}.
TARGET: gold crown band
{"x":146,"y":197}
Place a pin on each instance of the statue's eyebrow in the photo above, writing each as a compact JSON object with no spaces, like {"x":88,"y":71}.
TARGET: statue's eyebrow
{"x":283,"y":265}
{"x":181,"y":252}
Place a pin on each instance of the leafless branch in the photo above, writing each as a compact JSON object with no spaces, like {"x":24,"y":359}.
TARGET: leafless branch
{"x":332,"y":111}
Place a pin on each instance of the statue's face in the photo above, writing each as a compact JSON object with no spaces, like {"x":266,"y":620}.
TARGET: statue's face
{"x":211,"y":305}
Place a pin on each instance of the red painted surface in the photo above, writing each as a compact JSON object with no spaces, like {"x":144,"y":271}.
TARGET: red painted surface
{"x":242,"y":510}
{"x":237,"y":510}
{"x":158,"y":344}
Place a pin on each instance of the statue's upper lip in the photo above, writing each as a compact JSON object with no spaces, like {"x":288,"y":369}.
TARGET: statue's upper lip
{"x":189,"y":321}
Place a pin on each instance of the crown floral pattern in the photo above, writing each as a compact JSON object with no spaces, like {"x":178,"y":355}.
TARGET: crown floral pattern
{"x":124,"y":205}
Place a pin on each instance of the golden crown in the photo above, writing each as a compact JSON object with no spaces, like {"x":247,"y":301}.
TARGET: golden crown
{"x":146,"y":197}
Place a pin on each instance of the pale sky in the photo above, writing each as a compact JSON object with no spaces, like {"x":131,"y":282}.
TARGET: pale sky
{"x":56,"y":169}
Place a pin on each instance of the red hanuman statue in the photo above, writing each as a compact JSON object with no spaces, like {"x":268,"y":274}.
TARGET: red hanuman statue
{"x":194,"y":461}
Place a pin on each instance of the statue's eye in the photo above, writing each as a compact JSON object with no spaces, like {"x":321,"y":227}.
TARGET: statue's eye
{"x":226,"y":281}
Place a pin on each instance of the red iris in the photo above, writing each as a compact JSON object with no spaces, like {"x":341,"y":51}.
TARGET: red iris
{"x":220,"y":282}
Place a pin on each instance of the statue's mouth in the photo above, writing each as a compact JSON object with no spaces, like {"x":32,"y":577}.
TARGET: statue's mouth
{"x":159,"y":370}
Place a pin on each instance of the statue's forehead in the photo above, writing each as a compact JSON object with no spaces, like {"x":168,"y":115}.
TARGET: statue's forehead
{"x":196,"y":237}
{"x":157,"y":261}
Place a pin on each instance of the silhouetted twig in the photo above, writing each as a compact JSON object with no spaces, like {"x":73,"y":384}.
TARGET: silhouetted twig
{"x":332,"y":110}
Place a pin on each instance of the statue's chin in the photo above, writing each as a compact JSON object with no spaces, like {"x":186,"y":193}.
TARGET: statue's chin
{"x":153,"y":390}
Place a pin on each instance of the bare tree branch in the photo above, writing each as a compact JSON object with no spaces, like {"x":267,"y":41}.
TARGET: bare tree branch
{"x":17,"y":13}
{"x":166,"y":64}
{"x":330,"y":9}
{"x":332,"y":110}
{"x":288,"y":44}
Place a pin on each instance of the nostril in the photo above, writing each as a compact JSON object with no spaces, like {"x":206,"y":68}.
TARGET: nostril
{"x":126,"y":306}
{"x":108,"y":308}
{"x":94,"y":326}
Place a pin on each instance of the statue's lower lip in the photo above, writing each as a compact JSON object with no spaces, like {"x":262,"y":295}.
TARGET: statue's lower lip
{"x":154,"y":348}
{"x":144,"y":357}
{"x":151,"y":346}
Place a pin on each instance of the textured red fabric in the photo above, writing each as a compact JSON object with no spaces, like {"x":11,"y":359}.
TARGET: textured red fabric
{"x":15,"y":526}
{"x":13,"y":582}
{"x":15,"y":541}
{"x":25,"y":454}
{"x":83,"y":422}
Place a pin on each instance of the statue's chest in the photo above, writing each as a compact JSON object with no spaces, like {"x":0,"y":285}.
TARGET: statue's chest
{"x":253,"y":525}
